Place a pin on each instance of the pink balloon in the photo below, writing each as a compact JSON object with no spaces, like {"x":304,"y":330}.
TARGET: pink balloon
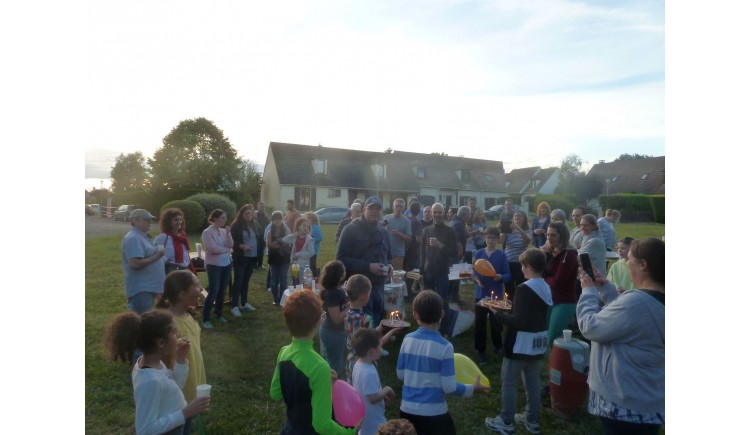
{"x":348,"y":405}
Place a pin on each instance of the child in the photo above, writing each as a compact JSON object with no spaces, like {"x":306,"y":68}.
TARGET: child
{"x":618,"y":274}
{"x":487,"y":287}
{"x":525,"y":345}
{"x":181,"y":291}
{"x":358,"y":289}
{"x":336,"y":305}
{"x":425,"y":364}
{"x":160,"y":406}
{"x":365,"y":379}
{"x":398,"y":426}
{"x":302,"y":377}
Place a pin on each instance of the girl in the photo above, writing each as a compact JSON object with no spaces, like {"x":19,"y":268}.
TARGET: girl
{"x":618,"y":273}
{"x":245,"y":235}
{"x":303,"y":246}
{"x":218,"y":242}
{"x":181,"y":291}
{"x":160,"y":406}
{"x":278,"y":255}
{"x":174,"y":239}
{"x":336,"y":305}
{"x":515,"y":243}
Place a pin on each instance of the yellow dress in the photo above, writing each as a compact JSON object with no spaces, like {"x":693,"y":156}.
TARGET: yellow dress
{"x":188,"y":327}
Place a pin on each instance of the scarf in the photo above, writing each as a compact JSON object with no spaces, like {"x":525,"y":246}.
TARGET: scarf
{"x":177,"y":241}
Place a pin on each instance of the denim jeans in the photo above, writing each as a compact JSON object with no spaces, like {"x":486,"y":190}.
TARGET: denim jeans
{"x":374,"y":306}
{"x":141,"y":302}
{"x":278,"y":280}
{"x":333,"y":348}
{"x":243,"y":271}
{"x":218,"y":280}
{"x":528,"y":371}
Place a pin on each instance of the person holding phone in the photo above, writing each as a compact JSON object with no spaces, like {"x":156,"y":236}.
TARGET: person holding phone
{"x":561,"y":275}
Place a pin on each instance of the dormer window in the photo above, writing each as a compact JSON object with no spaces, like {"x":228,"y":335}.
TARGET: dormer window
{"x":507,"y":184}
{"x":421,"y":171}
{"x":535,"y":183}
{"x":320,"y":166}
{"x":465,"y":176}
{"x":378,"y":170}
{"x":644,"y":176}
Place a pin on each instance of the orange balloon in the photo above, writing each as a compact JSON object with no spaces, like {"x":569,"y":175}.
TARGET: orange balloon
{"x":484,"y":268}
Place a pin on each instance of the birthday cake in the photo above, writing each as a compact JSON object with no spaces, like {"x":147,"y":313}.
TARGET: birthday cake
{"x":394,"y":323}
{"x":497,"y":304}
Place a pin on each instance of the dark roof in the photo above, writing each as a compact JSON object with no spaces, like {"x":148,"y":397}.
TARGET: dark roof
{"x":630,"y":175}
{"x":352,"y":169}
{"x":519,"y":178}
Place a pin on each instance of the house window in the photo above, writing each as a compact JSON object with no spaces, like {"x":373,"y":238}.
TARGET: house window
{"x":334,"y":193}
{"x":489,"y":178}
{"x":379,"y":170}
{"x":644,"y":176}
{"x":465,"y":176}
{"x":613,"y":178}
{"x":319,"y":166}
{"x":421,"y":171}
{"x":535,"y":183}
{"x":507,"y":184}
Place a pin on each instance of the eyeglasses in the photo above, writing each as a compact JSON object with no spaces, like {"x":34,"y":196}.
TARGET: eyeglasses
{"x":323,"y":316}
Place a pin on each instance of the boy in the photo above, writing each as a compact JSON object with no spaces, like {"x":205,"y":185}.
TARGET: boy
{"x":425,"y":364}
{"x":367,"y":347}
{"x":302,"y":377}
{"x":487,"y":287}
{"x":358,"y":289}
{"x":525,"y":345}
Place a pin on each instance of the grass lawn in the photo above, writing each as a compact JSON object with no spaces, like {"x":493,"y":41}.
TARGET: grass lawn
{"x":240,"y":356}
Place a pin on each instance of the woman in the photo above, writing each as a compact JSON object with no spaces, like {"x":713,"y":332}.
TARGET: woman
{"x":557,"y":215}
{"x":245,"y":234}
{"x":218,"y":243}
{"x":592,"y":243}
{"x":626,"y":374}
{"x":303,"y":246}
{"x":561,"y":274}
{"x":317,"y":235}
{"x":278,"y":255}
{"x":515,"y":243}
{"x":174,"y":239}
{"x":540,"y":224}
{"x":475,"y":236}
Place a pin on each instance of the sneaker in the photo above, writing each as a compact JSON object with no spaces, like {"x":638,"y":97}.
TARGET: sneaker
{"x":236,"y":312}
{"x":248,"y":307}
{"x":531,"y":426}
{"x":207,"y":325}
{"x":497,"y":424}
{"x":222,"y":319}
{"x":385,"y":353}
{"x":482,"y":359}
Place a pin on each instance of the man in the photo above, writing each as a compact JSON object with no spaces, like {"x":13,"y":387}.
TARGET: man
{"x":292,"y":214}
{"x":364,"y":248}
{"x":459,"y":223}
{"x":408,"y":212}
{"x":472,"y":206}
{"x":411,"y":259}
{"x":399,"y":232}
{"x":426,"y":221}
{"x":508,"y":210}
{"x":437,"y":249}
{"x":142,"y":263}
{"x":606,"y":229}
{"x":576,"y":236}
{"x":355,"y":211}
{"x":263,"y":220}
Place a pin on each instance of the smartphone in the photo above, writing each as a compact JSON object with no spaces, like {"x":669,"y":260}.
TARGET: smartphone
{"x":586,"y":264}
{"x":505,"y":226}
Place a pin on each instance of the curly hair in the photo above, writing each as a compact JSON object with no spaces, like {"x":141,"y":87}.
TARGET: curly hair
{"x":128,"y":331}
{"x":331,"y":277}
{"x":165,"y":220}
{"x":399,"y":426}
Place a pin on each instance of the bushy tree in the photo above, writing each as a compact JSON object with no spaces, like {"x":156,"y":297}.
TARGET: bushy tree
{"x":195,"y":154}
{"x":632,"y":157}
{"x":130,"y":173}
{"x":212,"y":201}
{"x":570,"y":169}
{"x":251,"y":181}
{"x":195,"y":216}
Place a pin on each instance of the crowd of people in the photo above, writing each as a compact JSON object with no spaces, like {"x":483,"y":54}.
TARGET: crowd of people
{"x":537,"y":268}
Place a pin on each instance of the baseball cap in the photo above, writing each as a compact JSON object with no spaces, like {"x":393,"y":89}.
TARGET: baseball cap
{"x":140,"y":213}
{"x":373,"y":200}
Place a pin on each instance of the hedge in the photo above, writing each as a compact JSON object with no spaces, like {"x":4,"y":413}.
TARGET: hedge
{"x":195,"y":216}
{"x":212,"y":201}
{"x":564,"y":202}
{"x":636,"y":207}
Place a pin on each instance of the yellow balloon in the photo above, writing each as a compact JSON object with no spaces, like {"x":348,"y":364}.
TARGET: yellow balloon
{"x":467,"y":371}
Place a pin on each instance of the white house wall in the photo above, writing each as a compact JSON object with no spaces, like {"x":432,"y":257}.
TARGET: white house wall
{"x":270,"y":192}
{"x":549,"y":187}
{"x":322,"y":199}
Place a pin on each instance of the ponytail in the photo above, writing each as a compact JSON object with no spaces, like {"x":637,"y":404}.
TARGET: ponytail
{"x":128,"y":331}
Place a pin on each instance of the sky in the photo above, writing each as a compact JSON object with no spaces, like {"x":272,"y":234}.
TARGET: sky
{"x":523,"y":82}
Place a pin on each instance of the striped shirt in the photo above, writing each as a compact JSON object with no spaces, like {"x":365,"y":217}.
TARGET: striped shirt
{"x":425,"y":364}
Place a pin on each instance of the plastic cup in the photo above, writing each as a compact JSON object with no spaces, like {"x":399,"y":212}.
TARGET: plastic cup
{"x":159,"y":247}
{"x":203,"y":390}
{"x":567,"y":334}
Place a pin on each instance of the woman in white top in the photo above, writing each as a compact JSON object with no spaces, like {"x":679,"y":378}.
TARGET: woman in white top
{"x":218,"y":243}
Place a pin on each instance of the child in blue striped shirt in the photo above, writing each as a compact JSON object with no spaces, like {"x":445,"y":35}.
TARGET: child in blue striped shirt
{"x":425,"y":364}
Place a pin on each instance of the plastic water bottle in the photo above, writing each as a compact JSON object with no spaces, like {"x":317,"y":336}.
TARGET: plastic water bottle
{"x":307,"y":279}
{"x":295,"y":270}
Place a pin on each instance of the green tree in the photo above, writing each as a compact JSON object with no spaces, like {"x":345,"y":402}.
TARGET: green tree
{"x":251,"y":181}
{"x":196,"y":154}
{"x":570,"y":170}
{"x":130,"y":173}
{"x":632,"y":157}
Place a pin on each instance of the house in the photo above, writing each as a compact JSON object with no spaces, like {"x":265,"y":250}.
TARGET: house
{"x":529,"y":182}
{"x":317,"y":176}
{"x":644,"y":176}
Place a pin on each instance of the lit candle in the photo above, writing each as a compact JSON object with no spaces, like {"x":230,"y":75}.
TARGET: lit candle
{"x":391,"y":316}
{"x":397,"y":315}
{"x":492,"y":296}
{"x":505,"y":299}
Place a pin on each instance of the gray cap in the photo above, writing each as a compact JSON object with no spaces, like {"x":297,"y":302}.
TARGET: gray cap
{"x":140,"y":213}
{"x":373,"y":200}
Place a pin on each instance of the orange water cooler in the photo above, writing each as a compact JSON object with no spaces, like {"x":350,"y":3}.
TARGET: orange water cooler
{"x":568,"y":372}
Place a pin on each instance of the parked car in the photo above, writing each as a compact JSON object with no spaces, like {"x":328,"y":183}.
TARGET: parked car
{"x":89,"y":210}
{"x":123,"y":212}
{"x":96,"y":209}
{"x":331,"y":215}
{"x":494,"y":212}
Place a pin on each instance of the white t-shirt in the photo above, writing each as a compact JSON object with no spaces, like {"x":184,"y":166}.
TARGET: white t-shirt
{"x":366,"y":381}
